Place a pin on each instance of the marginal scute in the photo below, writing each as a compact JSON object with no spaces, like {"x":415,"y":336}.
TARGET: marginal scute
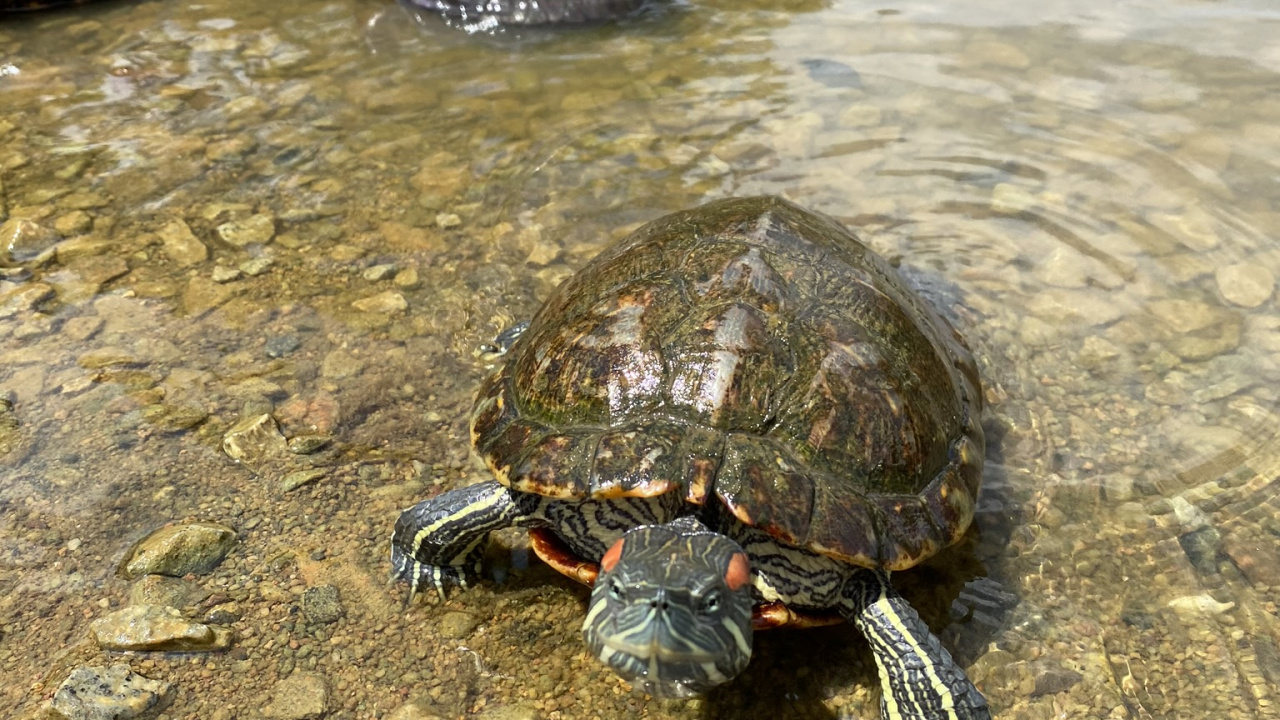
{"x":909,"y":534}
{"x":764,"y":488}
{"x":556,"y":465}
{"x":635,"y":463}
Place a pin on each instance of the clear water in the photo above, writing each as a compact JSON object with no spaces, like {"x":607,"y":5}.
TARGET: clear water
{"x":1098,"y":180}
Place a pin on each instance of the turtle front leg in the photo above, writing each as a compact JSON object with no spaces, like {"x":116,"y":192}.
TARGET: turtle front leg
{"x":918,"y":678}
{"x":441,"y":540}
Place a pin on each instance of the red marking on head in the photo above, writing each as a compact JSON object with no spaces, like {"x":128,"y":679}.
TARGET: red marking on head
{"x":611,"y":558}
{"x":739,"y":571}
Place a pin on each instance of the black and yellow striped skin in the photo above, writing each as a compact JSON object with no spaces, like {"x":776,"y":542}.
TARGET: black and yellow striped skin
{"x":918,"y":678}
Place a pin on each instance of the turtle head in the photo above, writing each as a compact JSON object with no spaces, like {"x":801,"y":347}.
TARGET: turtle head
{"x":671,"y":609}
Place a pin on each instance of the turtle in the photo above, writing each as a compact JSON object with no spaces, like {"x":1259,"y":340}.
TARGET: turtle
{"x":530,"y":12}
{"x":30,"y":5}
{"x":737,"y":417}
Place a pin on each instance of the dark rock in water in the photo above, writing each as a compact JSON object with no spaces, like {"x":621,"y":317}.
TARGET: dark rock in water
{"x":321,"y":604}
{"x":1201,"y":547}
{"x":832,"y":73}
{"x":531,"y":12}
{"x":1052,"y":679}
{"x":114,"y":693}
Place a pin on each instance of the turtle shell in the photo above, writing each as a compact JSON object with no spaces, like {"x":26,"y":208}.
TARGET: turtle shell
{"x":758,"y":354}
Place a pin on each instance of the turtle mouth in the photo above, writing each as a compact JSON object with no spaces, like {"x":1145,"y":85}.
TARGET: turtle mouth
{"x":662,"y":671}
{"x":655,"y":651}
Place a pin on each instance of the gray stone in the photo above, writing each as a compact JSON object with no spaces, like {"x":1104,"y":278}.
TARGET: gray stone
{"x":281,"y":345}
{"x":176,"y":550}
{"x":253,"y":230}
{"x":111,"y":693}
{"x":181,"y":245}
{"x":154,"y":627}
{"x":321,"y":604}
{"x":301,"y":696}
{"x":1247,"y":284}
{"x":1052,"y":679}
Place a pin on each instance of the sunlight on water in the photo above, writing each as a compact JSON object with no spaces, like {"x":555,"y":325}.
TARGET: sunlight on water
{"x":316,"y":212}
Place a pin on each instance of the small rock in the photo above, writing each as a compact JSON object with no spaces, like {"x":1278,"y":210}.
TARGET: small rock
{"x":456,"y":625}
{"x":384,"y":302}
{"x":1118,"y":488}
{"x":307,"y":444}
{"x":181,"y":245}
{"x":378,"y":272}
{"x":25,"y":299}
{"x":509,"y":712}
{"x":22,"y":240}
{"x":301,"y":696}
{"x":253,"y":230}
{"x":112,"y":693}
{"x":1052,"y":679}
{"x":177,"y":550}
{"x":280,"y":345}
{"x":82,"y":328}
{"x":1202,"y":604}
{"x":339,"y":364}
{"x":1245,"y":284}
{"x":321,"y":604}
{"x":1075,"y":307}
{"x":174,"y":418}
{"x":254,"y":439}
{"x":256,"y":266}
{"x":203,"y":294}
{"x":1258,"y":557}
{"x":1187,"y":316}
{"x":153,"y":627}
{"x":76,"y":222}
{"x":1065,"y":268}
{"x":298,"y":478}
{"x":448,"y":220}
{"x":416,"y":709}
{"x":223,"y":614}
{"x":225,"y":274}
{"x":165,"y":591}
{"x":407,"y":279}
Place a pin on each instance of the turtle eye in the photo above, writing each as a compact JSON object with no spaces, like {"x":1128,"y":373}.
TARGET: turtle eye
{"x":616,"y":592}
{"x":711,"y":603}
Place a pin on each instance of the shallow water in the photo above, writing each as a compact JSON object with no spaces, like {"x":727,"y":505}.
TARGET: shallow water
{"x":319,"y":210}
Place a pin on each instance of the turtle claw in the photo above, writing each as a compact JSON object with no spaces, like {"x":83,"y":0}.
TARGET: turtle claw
{"x":422,"y":575}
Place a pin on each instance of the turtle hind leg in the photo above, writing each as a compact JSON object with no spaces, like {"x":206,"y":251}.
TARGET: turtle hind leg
{"x":919,"y":680}
{"x":440,"y":541}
